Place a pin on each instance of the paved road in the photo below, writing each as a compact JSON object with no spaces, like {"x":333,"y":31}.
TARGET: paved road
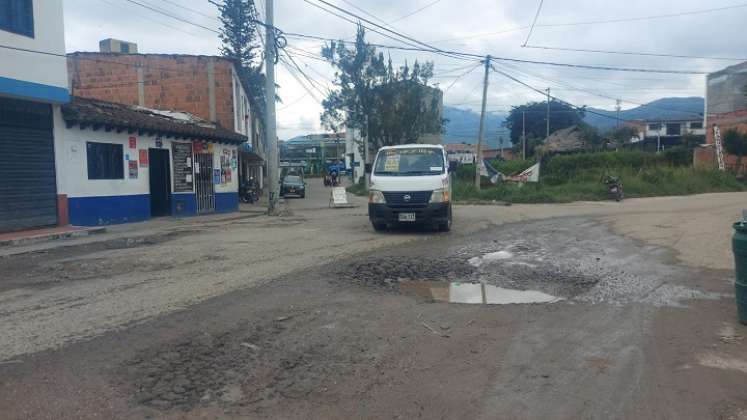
{"x":302,"y":316}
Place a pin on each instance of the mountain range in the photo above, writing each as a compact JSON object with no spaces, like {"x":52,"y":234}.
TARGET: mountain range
{"x":462,"y":125}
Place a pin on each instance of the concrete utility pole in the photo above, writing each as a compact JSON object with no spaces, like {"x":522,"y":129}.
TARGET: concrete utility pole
{"x":272,"y":156}
{"x":548,"y":113}
{"x":478,"y":160}
{"x":523,"y":135}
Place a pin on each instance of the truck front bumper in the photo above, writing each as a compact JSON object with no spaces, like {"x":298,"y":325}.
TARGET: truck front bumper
{"x":432,"y":213}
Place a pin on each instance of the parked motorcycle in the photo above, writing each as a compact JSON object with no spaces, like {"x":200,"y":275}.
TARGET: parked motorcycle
{"x":614,"y":187}
{"x":248,"y":192}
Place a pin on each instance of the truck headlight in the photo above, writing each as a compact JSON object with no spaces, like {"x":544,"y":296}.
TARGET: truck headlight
{"x":440,"y":195}
{"x":376,"y":197}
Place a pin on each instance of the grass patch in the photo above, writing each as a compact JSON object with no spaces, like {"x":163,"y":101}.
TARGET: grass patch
{"x":579,"y":178}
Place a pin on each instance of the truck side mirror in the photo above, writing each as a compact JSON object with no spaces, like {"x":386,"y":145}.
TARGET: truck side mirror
{"x":367,"y":168}
{"x":452,"y":166}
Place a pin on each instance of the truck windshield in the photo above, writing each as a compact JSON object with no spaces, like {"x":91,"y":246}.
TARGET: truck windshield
{"x":410,"y":162}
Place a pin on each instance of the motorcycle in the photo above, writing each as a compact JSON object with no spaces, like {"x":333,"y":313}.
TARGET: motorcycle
{"x":248,"y":192}
{"x":614,"y":187}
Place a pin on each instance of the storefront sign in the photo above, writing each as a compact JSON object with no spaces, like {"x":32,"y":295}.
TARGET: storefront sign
{"x":197,"y":147}
{"x":133,"y":169}
{"x":133,"y":142}
{"x":143,"y":158}
{"x":159,"y":143}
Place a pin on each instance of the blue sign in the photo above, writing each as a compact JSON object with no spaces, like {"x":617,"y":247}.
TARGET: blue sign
{"x":216,"y":176}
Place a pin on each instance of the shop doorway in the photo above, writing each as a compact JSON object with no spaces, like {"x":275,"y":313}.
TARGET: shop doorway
{"x":204,"y":182}
{"x":160,"y":182}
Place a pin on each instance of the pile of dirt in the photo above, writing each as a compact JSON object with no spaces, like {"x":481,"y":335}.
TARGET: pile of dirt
{"x":387,"y":272}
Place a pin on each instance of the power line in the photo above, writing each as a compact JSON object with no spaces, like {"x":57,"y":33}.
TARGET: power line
{"x":601,"y":95}
{"x":461,"y":76}
{"x":534,"y":22}
{"x":543,"y":93}
{"x":144,"y":16}
{"x":195,"y":11}
{"x":594,"y":22}
{"x":293,"y":102}
{"x":516,"y":60}
{"x":650,"y":17}
{"x":415,"y":11}
{"x":647,"y":54}
{"x":180,"y":19}
{"x":398,"y":34}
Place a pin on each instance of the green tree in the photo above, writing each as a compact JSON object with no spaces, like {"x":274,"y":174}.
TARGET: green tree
{"x":561,"y":116}
{"x":390,"y":106}
{"x":735,"y":143}
{"x":622,"y":135}
{"x":240,"y":42}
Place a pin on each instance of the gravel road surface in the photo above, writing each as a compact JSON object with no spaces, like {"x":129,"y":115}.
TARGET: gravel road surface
{"x":305,"y":316}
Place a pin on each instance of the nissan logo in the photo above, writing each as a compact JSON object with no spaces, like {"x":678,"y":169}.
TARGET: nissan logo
{"x":406,"y":197}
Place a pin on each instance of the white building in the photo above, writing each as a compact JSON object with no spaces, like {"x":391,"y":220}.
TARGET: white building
{"x":122,"y":163}
{"x":33,"y":82}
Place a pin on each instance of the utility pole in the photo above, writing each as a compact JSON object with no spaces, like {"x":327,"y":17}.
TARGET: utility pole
{"x":478,"y":161}
{"x":523,"y":135}
{"x":548,"y":113}
{"x":272,"y":156}
{"x":617,"y":108}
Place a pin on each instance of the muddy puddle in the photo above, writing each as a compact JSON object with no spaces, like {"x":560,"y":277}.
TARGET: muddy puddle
{"x":473,"y":293}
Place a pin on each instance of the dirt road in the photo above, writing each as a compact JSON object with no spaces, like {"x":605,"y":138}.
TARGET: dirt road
{"x":312,"y":315}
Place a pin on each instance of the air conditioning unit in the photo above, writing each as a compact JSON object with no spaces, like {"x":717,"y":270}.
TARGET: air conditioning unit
{"x":111,"y":45}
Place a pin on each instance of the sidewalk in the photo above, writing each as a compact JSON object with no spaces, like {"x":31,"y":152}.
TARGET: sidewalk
{"x":28,"y":237}
{"x":45,"y":239}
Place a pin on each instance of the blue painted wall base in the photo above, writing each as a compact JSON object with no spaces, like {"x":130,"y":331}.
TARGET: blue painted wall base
{"x":183,"y":204}
{"x":97,"y":211}
{"x":226,"y":202}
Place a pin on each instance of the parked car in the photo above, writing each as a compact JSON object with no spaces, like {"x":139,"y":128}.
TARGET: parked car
{"x":410,"y":184}
{"x":293,"y":185}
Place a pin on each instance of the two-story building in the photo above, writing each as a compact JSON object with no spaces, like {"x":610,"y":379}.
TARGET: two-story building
{"x":665,"y":132}
{"x":33,"y":83}
{"x":208,"y":87}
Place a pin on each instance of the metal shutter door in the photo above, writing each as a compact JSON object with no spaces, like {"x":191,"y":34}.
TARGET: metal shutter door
{"x":28,"y":192}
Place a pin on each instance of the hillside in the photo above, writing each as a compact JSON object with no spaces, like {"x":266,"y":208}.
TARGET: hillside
{"x":665,"y":108}
{"x":463,"y":125}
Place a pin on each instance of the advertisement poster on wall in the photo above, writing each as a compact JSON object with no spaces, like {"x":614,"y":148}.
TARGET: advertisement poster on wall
{"x":133,"y":169}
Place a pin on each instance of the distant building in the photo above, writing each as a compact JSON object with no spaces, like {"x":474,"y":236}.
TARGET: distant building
{"x":313,"y":151}
{"x":726,"y":107}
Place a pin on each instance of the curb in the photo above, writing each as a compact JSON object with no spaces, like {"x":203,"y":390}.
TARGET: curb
{"x":30,"y":240}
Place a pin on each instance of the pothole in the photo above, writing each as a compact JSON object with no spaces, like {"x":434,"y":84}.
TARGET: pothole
{"x":474,"y":293}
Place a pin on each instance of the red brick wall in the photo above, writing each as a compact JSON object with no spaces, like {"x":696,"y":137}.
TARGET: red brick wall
{"x":171,"y":82}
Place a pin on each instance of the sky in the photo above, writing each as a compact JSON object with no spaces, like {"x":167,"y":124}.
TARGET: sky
{"x":496,"y":27}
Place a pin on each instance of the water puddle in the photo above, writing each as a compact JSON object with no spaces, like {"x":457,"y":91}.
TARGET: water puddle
{"x":475,"y":293}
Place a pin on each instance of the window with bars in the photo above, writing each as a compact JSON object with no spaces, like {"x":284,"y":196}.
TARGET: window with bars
{"x":105,"y":160}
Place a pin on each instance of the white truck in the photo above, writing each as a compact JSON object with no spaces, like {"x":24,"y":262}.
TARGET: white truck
{"x":410,"y":184}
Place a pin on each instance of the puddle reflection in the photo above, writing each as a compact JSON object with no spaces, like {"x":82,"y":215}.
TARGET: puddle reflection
{"x":475,"y":293}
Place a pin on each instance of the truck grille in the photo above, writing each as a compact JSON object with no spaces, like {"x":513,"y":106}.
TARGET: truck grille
{"x":406,"y":198}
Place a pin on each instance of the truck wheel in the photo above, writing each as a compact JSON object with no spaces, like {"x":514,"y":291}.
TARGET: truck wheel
{"x":445,"y":227}
{"x":379,"y":227}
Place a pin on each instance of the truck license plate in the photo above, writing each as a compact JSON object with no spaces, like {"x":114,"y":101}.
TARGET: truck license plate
{"x":407,"y":217}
